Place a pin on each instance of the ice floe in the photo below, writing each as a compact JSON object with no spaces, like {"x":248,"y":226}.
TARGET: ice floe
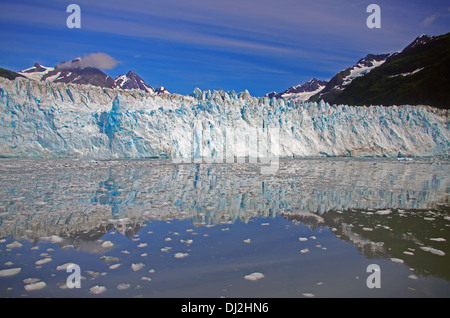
{"x":43,"y":261}
{"x":9,"y":272}
{"x":63,"y":267}
{"x":107,"y":244}
{"x":384,"y":212}
{"x":97,"y":289}
{"x":437,"y":239}
{"x":14,"y":244}
{"x":181,"y":255}
{"x":396,"y":260}
{"x":123,"y":286}
{"x":432,"y":250}
{"x":254,"y":276}
{"x":35,"y":286}
{"x":137,"y":266}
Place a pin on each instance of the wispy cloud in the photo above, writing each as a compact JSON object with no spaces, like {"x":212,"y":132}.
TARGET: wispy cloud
{"x":429,"y":20}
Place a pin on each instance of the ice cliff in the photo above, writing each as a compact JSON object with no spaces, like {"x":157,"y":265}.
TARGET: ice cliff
{"x":53,"y":120}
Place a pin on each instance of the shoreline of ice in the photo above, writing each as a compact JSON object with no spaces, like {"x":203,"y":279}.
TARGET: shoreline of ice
{"x":44,"y":120}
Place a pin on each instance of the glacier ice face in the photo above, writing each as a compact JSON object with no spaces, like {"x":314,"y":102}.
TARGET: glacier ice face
{"x":54,"y":120}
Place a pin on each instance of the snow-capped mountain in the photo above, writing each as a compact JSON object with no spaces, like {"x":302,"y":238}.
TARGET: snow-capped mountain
{"x":342,"y":79}
{"x":133,"y":81}
{"x":419,"y":41}
{"x":415,"y":75}
{"x":36,"y":72}
{"x":301,"y":92}
{"x":69,"y":72}
{"x":161,"y":90}
{"x":58,"y":120}
{"x":73,"y":72}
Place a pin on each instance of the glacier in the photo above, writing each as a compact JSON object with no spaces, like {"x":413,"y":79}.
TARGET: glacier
{"x":57,"y":120}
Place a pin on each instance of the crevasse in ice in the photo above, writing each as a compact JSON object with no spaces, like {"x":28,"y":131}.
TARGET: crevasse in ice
{"x":52,"y":120}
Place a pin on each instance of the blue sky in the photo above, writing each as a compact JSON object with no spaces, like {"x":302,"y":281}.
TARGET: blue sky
{"x":258,"y":45}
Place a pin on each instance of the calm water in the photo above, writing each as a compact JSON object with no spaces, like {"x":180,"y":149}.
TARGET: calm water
{"x":155,"y":229}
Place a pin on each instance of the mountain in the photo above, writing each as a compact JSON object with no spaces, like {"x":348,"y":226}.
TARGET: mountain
{"x":36,"y":72}
{"x":161,"y":90}
{"x":9,"y":74}
{"x":133,"y":81}
{"x":69,"y":72}
{"x":417,"y":75}
{"x":73,"y":72}
{"x":342,"y":79}
{"x":301,"y":92}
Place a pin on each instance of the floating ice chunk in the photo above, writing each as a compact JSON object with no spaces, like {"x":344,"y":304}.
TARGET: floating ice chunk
{"x":142,"y":245}
{"x":107,"y":244}
{"x":265,"y":224}
{"x":187,"y":241}
{"x":123,"y":286}
{"x":396,"y":260}
{"x":9,"y":272}
{"x":247,"y":241}
{"x":43,"y":261}
{"x":9,"y":263}
{"x":137,"y":266}
{"x":408,"y":253}
{"x":97,"y":289}
{"x":384,"y":212}
{"x":412,"y":276}
{"x":181,"y":255}
{"x":367,"y":229}
{"x":432,"y":250}
{"x":110,"y":259}
{"x":312,"y":237}
{"x":308,"y":294}
{"x":167,"y":239}
{"x":437,"y":239}
{"x":56,"y":239}
{"x":429,"y":218}
{"x":254,"y":276}
{"x":305,"y":250}
{"x":14,"y":244}
{"x":148,"y":279}
{"x":35,"y":286}
{"x":114,"y":266}
{"x":302,"y":239}
{"x":63,"y":267}
{"x":30,"y":280}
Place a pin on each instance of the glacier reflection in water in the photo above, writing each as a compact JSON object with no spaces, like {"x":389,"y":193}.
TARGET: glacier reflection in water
{"x":389,"y":209}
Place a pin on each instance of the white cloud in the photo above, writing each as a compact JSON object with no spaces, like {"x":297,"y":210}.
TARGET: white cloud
{"x":98,"y":60}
